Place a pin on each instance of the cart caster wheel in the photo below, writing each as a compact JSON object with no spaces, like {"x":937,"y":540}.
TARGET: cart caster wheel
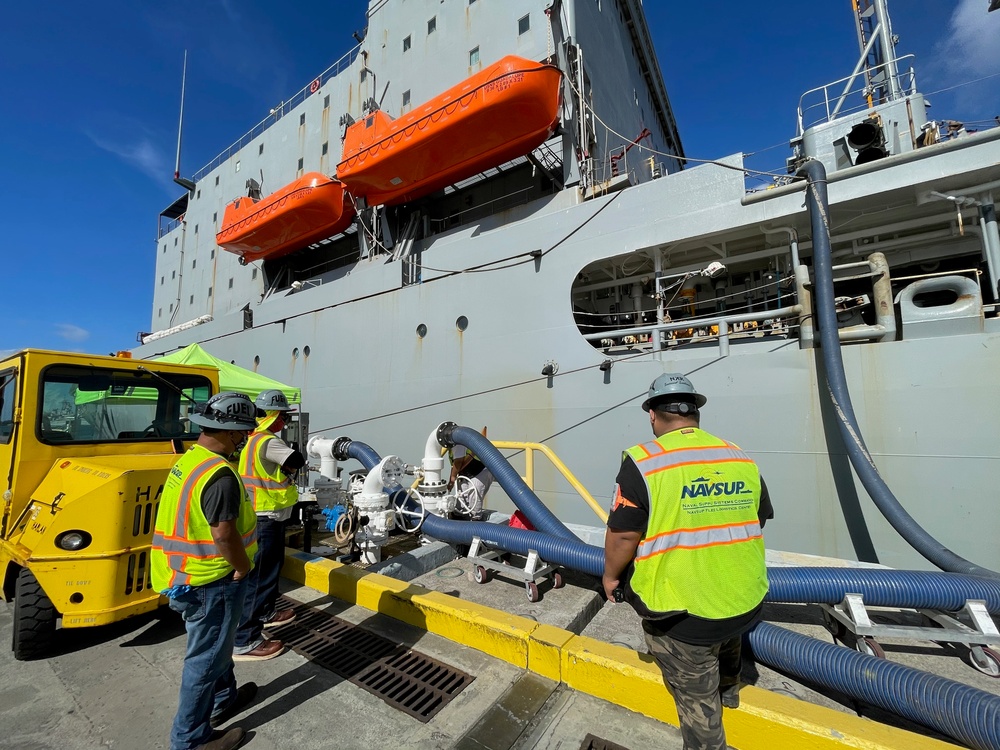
{"x":986,"y":660}
{"x":837,"y":629}
{"x":557,"y":581}
{"x":482,"y":575}
{"x":871,"y":647}
{"x":532,"y":589}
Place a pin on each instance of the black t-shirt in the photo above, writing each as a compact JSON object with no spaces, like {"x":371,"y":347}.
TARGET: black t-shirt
{"x":221,"y":498}
{"x":631,"y":513}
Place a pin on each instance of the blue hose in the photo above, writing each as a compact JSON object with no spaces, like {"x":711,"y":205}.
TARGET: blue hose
{"x":541,"y":517}
{"x":915,"y":535}
{"x":960,"y":711}
{"x":916,"y":589}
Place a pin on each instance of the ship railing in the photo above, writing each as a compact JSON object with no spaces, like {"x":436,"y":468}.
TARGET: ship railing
{"x":529,"y":450}
{"x":820,"y":105}
{"x":282,"y":109}
{"x":724,"y":323}
{"x":168,"y":226}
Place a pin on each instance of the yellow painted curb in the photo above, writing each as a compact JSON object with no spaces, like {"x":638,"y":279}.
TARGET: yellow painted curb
{"x":764,"y":721}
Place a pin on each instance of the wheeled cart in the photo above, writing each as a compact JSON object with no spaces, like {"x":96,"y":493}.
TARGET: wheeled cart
{"x":490,"y":561}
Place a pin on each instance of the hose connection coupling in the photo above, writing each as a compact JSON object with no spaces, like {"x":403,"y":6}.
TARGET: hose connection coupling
{"x":444,"y":434}
{"x":340,"y":446}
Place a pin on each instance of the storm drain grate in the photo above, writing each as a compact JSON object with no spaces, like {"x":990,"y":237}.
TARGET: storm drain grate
{"x":590,"y":742}
{"x":407,"y":680}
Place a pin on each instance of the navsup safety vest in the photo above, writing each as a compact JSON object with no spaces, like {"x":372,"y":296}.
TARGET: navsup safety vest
{"x":268,"y":491}
{"x":703,"y":551}
{"x":183,"y":549}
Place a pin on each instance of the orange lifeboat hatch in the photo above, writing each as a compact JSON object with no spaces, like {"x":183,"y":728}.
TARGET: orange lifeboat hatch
{"x":496,"y":115}
{"x":303,"y":212}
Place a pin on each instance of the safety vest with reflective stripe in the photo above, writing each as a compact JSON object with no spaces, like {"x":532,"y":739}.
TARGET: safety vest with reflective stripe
{"x":268,"y":491}
{"x":184,"y":552}
{"x":703,"y":551}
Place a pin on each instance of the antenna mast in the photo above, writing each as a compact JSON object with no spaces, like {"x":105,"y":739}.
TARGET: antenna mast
{"x":183,"y":182}
{"x":878,"y":51}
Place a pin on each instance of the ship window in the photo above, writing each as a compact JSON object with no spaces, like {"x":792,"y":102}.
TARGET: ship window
{"x":230,"y":283}
{"x":211,"y":255}
{"x":191,"y":301}
{"x":173,"y":274}
{"x":421,"y":330}
{"x":210,"y":291}
{"x":159,"y":313}
{"x":254,"y":276}
{"x":215,"y":217}
{"x":326,"y":147}
{"x":432,"y":25}
{"x":474,"y":56}
{"x":171,"y":307}
{"x":194,"y":263}
{"x":198,"y":195}
{"x":164,"y":247}
{"x":217,"y":180}
{"x":326,"y":102}
{"x":300,"y":163}
{"x":260,"y":149}
{"x":161,"y":280}
{"x":471,"y":2}
{"x":237,"y":166}
{"x":196,"y":229}
{"x":175,"y":242}
{"x":302,"y":119}
{"x":523,"y":24}
{"x":406,"y":98}
{"x":406,"y":44}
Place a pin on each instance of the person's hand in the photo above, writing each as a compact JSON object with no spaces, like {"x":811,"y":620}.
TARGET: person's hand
{"x":610,"y":584}
{"x":237,"y":576}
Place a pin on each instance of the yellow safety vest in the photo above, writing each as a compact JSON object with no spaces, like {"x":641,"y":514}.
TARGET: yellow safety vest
{"x":268,"y":491}
{"x":703,"y":551}
{"x":184,"y":552}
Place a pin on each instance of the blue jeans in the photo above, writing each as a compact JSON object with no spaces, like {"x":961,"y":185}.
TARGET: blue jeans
{"x":211,"y":614}
{"x":262,"y":591}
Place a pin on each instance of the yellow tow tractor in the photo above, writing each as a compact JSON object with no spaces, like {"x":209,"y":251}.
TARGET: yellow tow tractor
{"x":85,"y":444}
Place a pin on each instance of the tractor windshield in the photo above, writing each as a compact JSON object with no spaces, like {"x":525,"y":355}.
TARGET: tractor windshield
{"x":94,"y":405}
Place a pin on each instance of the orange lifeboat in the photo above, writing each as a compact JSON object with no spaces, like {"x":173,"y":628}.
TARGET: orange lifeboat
{"x":306,"y":211}
{"x":500,"y":113}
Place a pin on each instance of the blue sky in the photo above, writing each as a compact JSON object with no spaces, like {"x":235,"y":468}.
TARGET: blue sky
{"x":91,"y":94}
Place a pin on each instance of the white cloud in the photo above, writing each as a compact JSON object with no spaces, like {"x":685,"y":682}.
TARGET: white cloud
{"x":969,"y":51}
{"x":141,"y":153}
{"x":71,"y":332}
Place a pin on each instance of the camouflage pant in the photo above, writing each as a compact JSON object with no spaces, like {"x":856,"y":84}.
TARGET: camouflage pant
{"x":697,"y":677}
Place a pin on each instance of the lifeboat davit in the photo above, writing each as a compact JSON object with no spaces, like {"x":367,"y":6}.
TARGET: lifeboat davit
{"x":500,"y":113}
{"x":303,"y":212}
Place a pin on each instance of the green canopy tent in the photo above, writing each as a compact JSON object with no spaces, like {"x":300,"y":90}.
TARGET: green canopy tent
{"x":232,"y":377}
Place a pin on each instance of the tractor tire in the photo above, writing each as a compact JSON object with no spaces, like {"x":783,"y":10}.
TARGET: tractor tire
{"x":34,"y":618}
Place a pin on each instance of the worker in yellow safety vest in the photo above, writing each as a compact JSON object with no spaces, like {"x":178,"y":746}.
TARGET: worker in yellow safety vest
{"x":684,"y":547}
{"x":203,"y":544}
{"x":267,"y":466}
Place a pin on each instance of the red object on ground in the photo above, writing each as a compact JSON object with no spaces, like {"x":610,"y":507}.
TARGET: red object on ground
{"x":520,"y":521}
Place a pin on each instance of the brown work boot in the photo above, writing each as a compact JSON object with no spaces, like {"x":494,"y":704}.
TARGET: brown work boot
{"x":268,"y":649}
{"x":230,"y":740}
{"x":281,"y":617}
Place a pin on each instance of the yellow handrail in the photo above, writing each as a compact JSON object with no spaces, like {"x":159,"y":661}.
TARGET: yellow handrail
{"x":529,"y":470}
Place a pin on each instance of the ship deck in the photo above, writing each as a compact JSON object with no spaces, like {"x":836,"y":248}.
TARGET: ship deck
{"x":568,"y":671}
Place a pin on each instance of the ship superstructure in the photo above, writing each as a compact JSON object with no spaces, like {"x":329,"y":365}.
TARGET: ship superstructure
{"x":541,"y":295}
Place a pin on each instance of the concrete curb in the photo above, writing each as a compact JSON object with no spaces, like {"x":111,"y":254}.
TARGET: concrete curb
{"x":619,"y":675}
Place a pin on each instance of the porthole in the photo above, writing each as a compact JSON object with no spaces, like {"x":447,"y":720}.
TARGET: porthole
{"x":421,"y":330}
{"x":462,"y":323}
{"x":306,"y":351}
{"x":295,"y":353}
{"x":256,"y":360}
